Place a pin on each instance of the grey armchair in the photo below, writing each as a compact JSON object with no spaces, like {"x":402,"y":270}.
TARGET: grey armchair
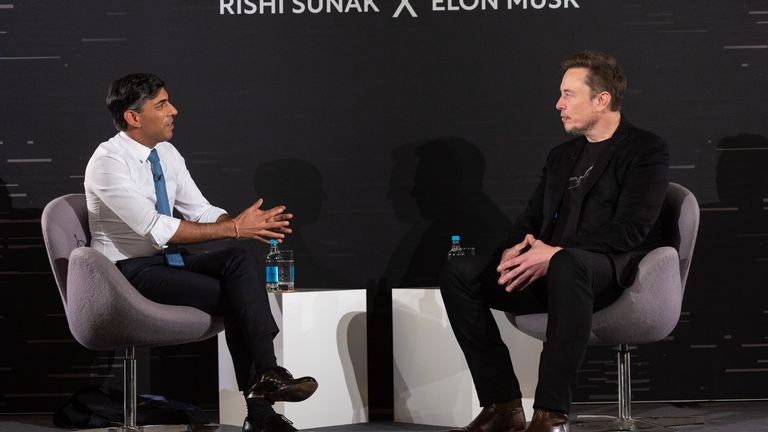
{"x":103,"y":309}
{"x":649,"y":309}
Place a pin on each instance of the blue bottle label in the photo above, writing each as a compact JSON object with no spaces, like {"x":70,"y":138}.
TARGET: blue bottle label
{"x":272,"y":274}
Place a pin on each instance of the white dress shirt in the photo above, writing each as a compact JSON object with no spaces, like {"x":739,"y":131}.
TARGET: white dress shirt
{"x":120,"y":193}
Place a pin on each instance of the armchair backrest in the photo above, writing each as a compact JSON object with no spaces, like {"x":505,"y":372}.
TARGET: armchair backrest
{"x":65,"y":227}
{"x":680,"y":219}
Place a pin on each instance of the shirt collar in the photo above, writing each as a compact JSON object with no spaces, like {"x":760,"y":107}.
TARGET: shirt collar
{"x":134,"y":148}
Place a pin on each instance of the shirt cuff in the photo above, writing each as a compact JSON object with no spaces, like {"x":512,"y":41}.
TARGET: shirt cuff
{"x":211,"y":214}
{"x":163,"y":229}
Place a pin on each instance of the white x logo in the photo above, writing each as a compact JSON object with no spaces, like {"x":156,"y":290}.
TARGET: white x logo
{"x":404,"y":4}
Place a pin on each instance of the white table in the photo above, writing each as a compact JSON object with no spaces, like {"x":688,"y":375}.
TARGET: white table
{"x":432,"y":383}
{"x":322,"y":334}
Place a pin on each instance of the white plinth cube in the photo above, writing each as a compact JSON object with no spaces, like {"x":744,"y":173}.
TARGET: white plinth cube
{"x":322,"y":334}
{"x":432,"y":383}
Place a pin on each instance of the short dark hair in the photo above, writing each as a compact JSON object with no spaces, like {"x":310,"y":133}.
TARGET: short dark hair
{"x":129,"y":93}
{"x":605,"y":74}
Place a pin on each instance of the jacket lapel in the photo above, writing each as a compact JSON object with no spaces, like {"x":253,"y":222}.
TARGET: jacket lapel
{"x":558,"y":181}
{"x":605,"y":157}
{"x":563,"y":169}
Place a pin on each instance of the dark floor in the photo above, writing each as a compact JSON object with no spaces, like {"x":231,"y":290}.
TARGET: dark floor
{"x":716,"y":417}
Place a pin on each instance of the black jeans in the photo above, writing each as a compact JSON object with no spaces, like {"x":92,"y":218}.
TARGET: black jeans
{"x":228,"y":283}
{"x":577,"y":283}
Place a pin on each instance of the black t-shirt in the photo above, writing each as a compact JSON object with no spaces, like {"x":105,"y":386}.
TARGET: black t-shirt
{"x":567,"y":217}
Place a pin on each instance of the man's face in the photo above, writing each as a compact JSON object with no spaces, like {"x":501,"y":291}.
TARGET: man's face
{"x":156,"y":119}
{"x":578,"y":109}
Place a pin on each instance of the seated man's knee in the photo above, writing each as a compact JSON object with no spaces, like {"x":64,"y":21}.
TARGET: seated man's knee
{"x":451,"y":271}
{"x":565,"y":261}
{"x":459,"y":272}
{"x":245,"y":256}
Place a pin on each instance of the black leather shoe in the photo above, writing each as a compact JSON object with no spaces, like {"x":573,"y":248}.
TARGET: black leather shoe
{"x":498,"y":417}
{"x":278,"y":385}
{"x":271,"y":423}
{"x":548,"y":421}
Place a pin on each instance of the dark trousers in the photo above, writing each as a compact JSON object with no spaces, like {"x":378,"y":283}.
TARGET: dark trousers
{"x":577,"y":283}
{"x":226,"y":283}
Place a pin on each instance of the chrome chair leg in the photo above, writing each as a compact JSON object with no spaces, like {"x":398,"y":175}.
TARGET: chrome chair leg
{"x":129,"y":387}
{"x":625,"y":421}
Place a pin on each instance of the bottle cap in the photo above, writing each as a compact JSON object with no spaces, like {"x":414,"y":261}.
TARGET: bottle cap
{"x":455,"y":238}
{"x":273,"y":242}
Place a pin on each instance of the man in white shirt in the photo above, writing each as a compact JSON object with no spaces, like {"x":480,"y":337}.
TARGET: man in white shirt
{"x":128,"y":180}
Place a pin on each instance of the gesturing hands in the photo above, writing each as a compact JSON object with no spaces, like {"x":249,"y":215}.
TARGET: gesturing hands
{"x":524,"y":262}
{"x":263,"y":225}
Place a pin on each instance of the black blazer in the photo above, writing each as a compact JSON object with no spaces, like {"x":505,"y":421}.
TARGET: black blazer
{"x":623,"y":197}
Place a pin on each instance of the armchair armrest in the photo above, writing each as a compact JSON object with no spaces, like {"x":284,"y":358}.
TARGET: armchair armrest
{"x":649,"y":309}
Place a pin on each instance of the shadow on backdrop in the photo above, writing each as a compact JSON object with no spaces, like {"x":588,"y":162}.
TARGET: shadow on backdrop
{"x":298,"y":185}
{"x":446,"y":191}
{"x":436,"y":188}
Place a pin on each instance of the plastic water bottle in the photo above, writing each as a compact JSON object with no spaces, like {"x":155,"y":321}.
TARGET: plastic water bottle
{"x":279,"y":275}
{"x":456,"y":249}
{"x":271,"y":261}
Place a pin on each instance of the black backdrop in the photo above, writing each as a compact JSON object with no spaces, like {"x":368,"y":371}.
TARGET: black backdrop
{"x":385,"y":135}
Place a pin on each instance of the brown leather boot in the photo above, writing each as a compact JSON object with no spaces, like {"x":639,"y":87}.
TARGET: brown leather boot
{"x":548,"y":421}
{"x":498,"y":417}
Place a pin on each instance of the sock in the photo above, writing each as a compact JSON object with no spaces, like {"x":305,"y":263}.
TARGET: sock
{"x":258,"y":410}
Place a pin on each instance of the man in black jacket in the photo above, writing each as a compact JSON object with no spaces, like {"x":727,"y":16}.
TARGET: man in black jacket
{"x":571,"y":252}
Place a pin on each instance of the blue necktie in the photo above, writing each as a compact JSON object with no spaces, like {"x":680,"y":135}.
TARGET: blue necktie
{"x":173,"y":259}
